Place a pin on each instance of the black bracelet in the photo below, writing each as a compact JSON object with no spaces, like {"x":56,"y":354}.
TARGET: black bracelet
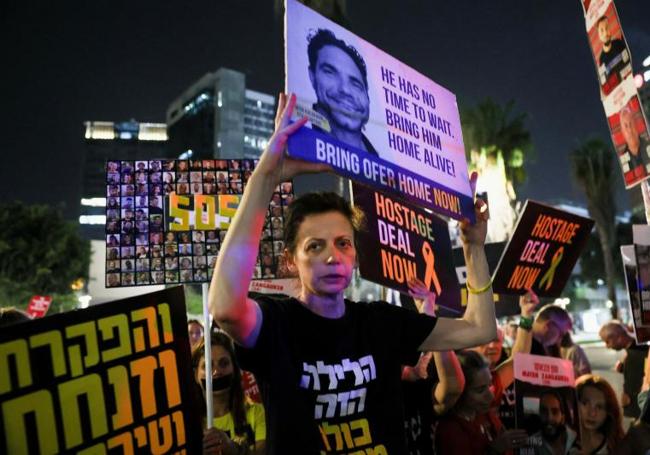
{"x":525,"y":323}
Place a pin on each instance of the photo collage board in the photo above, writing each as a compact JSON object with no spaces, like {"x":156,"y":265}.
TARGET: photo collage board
{"x":141,"y":246}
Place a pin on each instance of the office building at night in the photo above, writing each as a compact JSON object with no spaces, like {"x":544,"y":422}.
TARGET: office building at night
{"x":219,"y":117}
{"x":112,"y":141}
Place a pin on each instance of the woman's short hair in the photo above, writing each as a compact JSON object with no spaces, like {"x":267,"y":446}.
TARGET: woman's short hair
{"x":315,"y":204}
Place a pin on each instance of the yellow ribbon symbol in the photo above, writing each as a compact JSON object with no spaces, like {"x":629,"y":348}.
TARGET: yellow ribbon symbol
{"x":430,"y":273}
{"x":550,"y":273}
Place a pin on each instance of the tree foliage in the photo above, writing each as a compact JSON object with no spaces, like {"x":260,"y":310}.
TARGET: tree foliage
{"x":40,"y":254}
{"x":594,"y":169}
{"x":495,"y":128}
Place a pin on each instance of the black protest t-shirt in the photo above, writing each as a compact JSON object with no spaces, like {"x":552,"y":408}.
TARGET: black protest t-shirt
{"x":333,"y":385}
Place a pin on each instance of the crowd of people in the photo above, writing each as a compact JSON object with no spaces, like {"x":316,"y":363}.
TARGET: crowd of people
{"x":460,"y":401}
{"x":428,"y":384}
{"x":337,"y":376}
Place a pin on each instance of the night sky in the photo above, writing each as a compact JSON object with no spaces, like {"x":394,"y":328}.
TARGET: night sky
{"x":67,"y":62}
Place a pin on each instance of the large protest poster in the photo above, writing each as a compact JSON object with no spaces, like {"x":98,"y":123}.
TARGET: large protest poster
{"x":166,"y":219}
{"x":401,"y":241}
{"x":542,"y":251}
{"x":504,"y":304}
{"x":372,"y":118}
{"x":627,"y":123}
{"x":546,"y":405}
{"x":641,"y":329}
{"x":112,"y":378}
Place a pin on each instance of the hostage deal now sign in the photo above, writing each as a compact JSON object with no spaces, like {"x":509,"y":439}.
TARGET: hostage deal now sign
{"x":542,"y":251}
{"x":402,"y":241}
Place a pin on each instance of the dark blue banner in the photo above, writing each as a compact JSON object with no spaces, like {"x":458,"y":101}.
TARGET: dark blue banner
{"x":361,"y":166}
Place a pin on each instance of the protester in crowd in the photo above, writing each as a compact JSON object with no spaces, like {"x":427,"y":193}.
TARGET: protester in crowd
{"x":11,"y":315}
{"x":550,"y":325}
{"x":616,"y":337}
{"x":283,"y":340}
{"x":601,"y":422}
{"x":574,"y":352}
{"x":502,"y":370}
{"x":493,"y":350}
{"x":195,"y":332}
{"x":429,"y":389}
{"x":239,"y":425}
{"x":510,"y":332}
{"x":469,"y":427}
{"x":556,"y":435}
{"x":450,"y":381}
{"x":637,"y":439}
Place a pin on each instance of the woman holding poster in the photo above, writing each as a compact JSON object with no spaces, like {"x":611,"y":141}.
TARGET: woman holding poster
{"x":329,"y":369}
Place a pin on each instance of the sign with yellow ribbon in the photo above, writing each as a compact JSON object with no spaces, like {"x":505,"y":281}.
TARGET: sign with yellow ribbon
{"x":401,"y":242}
{"x":542,"y":251}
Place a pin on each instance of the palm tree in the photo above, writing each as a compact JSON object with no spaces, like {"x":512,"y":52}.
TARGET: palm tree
{"x":496,"y":141}
{"x":594,"y":168}
{"x":494,"y":129}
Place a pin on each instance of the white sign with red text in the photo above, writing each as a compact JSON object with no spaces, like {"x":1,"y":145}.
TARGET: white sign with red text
{"x":38,"y":305}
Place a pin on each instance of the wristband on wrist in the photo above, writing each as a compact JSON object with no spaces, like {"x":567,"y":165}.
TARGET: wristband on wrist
{"x":525,"y":323}
{"x":479,"y":290}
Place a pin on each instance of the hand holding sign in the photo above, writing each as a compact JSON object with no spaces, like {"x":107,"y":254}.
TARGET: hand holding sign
{"x":528,"y":302}
{"x":274,"y":164}
{"x":425,"y":300}
{"x":509,"y":440}
{"x":474,"y":234}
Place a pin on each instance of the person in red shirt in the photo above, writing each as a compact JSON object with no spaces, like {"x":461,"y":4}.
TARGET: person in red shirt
{"x":469,"y":428}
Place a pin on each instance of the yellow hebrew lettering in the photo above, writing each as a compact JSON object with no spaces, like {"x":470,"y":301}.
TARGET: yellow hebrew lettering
{"x":167,"y":361}
{"x":88,"y":332}
{"x":345,"y":429}
{"x":97,"y":449}
{"x":54,"y":339}
{"x":107,"y":327}
{"x":364,"y":438}
{"x":179,"y":424}
{"x":160,"y":429}
{"x":144,"y":368}
{"x":140,"y":434}
{"x":208,"y":214}
{"x":18,"y":350}
{"x":326,"y":431}
{"x":13,"y":416}
{"x":124,"y":440}
{"x":69,"y":393}
{"x":228,"y":204}
{"x":163,"y":311}
{"x":118,"y":377}
{"x":180,"y":217}
{"x":149,"y":315}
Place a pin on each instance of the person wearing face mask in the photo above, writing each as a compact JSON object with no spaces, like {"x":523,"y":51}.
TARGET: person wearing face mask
{"x":239,"y":425}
